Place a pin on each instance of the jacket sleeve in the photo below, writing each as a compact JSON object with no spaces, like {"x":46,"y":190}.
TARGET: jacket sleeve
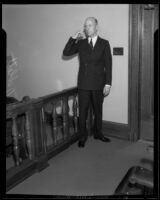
{"x":108,"y":64}
{"x":71,"y":47}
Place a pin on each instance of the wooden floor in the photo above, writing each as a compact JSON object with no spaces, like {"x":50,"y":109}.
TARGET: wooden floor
{"x":96,"y":169}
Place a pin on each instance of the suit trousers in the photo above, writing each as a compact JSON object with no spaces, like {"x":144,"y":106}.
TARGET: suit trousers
{"x":87,"y":98}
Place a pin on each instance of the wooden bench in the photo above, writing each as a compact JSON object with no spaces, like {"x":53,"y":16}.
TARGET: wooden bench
{"x":137,"y":181}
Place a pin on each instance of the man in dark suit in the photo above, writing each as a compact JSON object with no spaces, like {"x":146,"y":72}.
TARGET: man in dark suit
{"x":95,"y":75}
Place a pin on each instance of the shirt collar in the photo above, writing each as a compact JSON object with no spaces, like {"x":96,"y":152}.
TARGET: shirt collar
{"x":93,"y":38}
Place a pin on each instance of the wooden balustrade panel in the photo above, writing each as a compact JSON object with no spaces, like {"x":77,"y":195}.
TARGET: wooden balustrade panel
{"x":75,"y":113}
{"x":28,"y":135}
{"x":44,"y":121}
{"x":65,"y":115}
{"x":61,"y":120}
{"x":48,"y":132}
{"x":15,"y":141}
{"x":54,"y":118}
{"x":35,"y":116}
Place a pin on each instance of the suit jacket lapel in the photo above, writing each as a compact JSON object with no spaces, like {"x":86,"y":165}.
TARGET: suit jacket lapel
{"x":88,"y":51}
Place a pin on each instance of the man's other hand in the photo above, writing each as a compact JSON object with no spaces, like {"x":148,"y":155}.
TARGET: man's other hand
{"x":106,"y":90}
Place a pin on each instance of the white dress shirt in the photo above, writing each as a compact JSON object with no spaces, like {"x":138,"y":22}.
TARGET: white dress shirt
{"x":94,"y":39}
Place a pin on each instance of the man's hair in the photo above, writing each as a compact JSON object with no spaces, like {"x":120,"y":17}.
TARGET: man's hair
{"x":95,"y":20}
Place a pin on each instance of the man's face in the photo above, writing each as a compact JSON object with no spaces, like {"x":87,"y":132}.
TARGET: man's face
{"x":90,"y":27}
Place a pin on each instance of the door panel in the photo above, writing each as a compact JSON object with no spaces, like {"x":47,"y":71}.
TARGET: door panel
{"x":149,"y":25}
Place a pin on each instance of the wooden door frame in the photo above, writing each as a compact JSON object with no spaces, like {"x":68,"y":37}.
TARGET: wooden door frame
{"x":135,"y":25}
{"x":135,"y":49}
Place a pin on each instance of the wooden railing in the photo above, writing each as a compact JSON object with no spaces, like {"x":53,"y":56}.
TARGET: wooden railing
{"x":38,"y":131}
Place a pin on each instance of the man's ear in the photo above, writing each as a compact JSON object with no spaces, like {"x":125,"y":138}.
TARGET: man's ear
{"x":97,"y":27}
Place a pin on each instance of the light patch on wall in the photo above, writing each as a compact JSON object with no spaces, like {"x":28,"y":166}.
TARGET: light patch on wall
{"x":59,"y":85}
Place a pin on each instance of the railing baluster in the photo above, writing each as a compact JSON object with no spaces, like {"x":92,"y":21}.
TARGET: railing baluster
{"x":61,"y":125}
{"x":15,"y":141}
{"x":35,"y":132}
{"x":28,"y":135}
{"x":54,"y":116}
{"x":65,"y":115}
{"x":75,"y":116}
{"x":45,"y":132}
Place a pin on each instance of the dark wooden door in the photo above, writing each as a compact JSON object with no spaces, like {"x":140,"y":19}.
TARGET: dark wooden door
{"x":147,"y":65}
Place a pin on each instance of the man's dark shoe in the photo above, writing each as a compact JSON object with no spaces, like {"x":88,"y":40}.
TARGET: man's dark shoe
{"x":81,"y":144}
{"x":102,"y":138}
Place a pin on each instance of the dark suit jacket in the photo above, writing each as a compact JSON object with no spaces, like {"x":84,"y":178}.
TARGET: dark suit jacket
{"x":95,"y":65}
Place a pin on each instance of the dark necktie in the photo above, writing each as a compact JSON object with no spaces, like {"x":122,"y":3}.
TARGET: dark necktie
{"x":91,"y":44}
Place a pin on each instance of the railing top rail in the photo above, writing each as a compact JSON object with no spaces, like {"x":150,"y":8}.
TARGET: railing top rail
{"x":66,"y":92}
{"x":21,"y":107}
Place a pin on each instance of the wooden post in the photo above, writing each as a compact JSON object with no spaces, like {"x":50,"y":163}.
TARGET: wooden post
{"x":44,"y":128}
{"x":54,"y":116}
{"x":15,"y":141}
{"x":61,"y":125}
{"x":65,"y":115}
{"x":28,"y":135}
{"x":75,"y":107}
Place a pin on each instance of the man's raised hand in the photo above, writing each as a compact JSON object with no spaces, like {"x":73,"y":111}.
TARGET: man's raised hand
{"x":78,"y":35}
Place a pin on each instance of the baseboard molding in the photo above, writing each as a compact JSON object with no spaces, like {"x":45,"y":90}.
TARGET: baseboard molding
{"x":115,"y":129}
{"x":61,"y":147}
{"x":14,"y":178}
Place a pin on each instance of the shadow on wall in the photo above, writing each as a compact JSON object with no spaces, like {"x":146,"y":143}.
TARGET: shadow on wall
{"x":66,"y":58}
